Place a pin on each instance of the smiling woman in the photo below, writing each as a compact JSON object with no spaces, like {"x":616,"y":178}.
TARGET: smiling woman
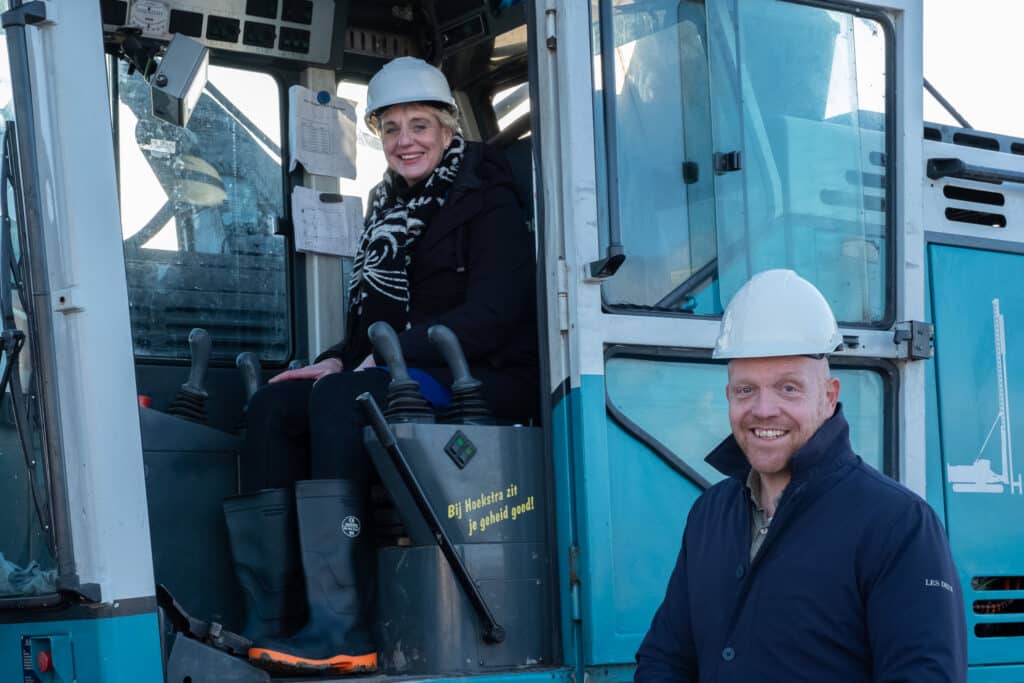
{"x":444,"y":242}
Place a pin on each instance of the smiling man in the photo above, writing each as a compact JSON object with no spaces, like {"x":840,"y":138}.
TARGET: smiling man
{"x":804,"y":564}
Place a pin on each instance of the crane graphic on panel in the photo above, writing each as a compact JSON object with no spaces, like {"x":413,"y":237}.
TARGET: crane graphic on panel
{"x":979,"y":477}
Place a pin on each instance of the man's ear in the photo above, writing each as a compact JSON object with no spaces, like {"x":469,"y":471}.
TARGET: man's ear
{"x":832,"y":392}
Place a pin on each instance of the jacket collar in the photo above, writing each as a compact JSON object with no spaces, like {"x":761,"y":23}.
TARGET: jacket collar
{"x":466,"y":182}
{"x":827,"y":449}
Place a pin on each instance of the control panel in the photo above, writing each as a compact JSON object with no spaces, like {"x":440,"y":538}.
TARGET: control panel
{"x":289,"y":29}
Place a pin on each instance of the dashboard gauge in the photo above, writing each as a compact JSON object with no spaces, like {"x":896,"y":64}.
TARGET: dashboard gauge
{"x":152,"y":16}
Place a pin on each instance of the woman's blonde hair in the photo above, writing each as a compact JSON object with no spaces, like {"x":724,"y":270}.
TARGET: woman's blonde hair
{"x":445,"y":116}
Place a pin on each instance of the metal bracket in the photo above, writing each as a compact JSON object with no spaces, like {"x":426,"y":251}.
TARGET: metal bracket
{"x":29,"y":14}
{"x":604,"y":268}
{"x":919,"y":338}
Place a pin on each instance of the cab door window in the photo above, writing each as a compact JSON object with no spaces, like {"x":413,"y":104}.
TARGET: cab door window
{"x":745,"y":135}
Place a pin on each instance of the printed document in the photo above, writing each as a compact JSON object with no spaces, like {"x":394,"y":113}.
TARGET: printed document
{"x":326,"y":223}
{"x":321,"y":133}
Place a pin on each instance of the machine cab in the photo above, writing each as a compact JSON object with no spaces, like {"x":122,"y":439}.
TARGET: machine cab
{"x":668,"y":150}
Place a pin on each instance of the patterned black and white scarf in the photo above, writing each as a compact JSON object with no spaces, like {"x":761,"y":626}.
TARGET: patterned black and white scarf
{"x":379,"y":288}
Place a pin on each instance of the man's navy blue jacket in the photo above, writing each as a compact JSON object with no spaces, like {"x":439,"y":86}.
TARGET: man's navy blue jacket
{"x":854,"y":581}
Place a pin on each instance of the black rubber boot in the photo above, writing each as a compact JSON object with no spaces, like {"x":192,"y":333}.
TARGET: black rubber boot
{"x":264,"y":545}
{"x":337,"y":563}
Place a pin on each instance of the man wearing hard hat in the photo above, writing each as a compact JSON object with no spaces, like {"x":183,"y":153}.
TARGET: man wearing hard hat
{"x":804,"y":564}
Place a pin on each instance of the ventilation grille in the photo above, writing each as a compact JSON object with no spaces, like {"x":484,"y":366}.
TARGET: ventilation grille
{"x":977,"y":207}
{"x":379,"y":44}
{"x":1000,"y":597}
{"x":973,"y":138}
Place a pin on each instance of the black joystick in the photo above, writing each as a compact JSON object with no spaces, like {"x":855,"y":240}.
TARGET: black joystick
{"x":190,"y":403}
{"x":468,"y":405}
{"x":405,"y":403}
{"x":248,"y":363}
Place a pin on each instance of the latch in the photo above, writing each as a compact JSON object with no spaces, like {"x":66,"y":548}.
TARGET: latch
{"x":727,"y":162}
{"x":919,"y":339}
{"x":574,"y":582}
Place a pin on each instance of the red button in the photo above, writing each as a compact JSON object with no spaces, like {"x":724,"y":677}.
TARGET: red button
{"x":44,"y":662}
{"x":145,"y":401}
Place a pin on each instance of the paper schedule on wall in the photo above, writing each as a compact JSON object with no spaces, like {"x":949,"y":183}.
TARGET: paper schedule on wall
{"x":321,"y":133}
{"x":326,"y":223}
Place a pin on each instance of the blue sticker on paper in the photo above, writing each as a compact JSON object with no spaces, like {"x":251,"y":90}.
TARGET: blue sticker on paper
{"x":323,"y":97}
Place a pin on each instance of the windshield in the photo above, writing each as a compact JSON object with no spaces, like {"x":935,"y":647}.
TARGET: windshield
{"x":199,"y":209}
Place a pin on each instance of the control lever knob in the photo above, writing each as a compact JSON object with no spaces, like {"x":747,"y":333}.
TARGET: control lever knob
{"x":385,"y":342}
{"x":468,"y":405}
{"x":451,"y":350}
{"x":199,"y":345}
{"x":248,"y":363}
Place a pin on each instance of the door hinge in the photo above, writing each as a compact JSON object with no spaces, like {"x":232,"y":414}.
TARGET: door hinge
{"x":574,"y":583}
{"x":550,"y":34}
{"x":563,"y":295}
{"x":916,"y":338}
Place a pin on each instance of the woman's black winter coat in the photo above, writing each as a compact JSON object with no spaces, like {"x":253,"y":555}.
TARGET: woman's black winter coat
{"x":473,"y":270}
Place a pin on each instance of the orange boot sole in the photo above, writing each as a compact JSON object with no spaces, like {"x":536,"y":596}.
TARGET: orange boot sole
{"x":339,"y":663}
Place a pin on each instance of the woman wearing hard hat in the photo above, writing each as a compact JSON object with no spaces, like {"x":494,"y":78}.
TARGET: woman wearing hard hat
{"x":444,"y":241}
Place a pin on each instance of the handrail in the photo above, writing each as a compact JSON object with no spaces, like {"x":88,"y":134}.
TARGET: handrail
{"x":951,"y":167}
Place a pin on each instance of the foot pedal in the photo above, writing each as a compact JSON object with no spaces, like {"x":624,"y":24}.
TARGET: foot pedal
{"x":193,"y":661}
{"x":208,"y":632}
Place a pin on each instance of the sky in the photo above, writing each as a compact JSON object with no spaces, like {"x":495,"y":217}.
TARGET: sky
{"x":972,"y":55}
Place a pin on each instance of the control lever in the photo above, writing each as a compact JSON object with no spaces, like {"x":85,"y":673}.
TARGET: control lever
{"x":467,"y":405}
{"x":492,"y":631}
{"x":405,"y":403}
{"x":248,"y":363}
{"x":190,"y":403}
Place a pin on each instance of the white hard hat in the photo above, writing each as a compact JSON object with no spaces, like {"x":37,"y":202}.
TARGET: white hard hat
{"x":777,"y":313}
{"x":406,"y":79}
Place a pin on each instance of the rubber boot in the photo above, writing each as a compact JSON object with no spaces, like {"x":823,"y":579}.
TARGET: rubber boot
{"x":263,"y":537}
{"x":337,"y":563}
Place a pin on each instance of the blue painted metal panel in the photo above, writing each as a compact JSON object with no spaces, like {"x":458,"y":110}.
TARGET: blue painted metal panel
{"x":115,"y":650}
{"x":620,"y":673}
{"x":632,"y":509}
{"x":995,"y":674}
{"x":984,"y":502}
